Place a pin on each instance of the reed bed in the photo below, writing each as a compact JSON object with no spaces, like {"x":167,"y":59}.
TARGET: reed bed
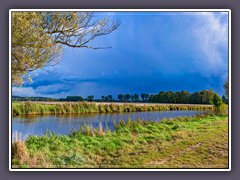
{"x":30,"y":108}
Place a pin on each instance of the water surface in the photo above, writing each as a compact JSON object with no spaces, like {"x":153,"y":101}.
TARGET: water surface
{"x":64,"y":124}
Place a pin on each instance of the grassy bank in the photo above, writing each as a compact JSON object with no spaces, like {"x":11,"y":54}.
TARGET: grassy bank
{"x":30,"y":108}
{"x":187,"y":142}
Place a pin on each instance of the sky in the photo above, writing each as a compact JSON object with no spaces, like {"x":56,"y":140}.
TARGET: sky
{"x":151,"y":52}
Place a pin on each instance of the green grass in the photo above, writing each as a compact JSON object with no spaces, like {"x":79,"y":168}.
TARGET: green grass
{"x":29,"y":108}
{"x":186,"y":142}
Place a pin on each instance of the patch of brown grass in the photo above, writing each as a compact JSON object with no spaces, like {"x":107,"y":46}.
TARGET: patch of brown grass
{"x":19,"y":151}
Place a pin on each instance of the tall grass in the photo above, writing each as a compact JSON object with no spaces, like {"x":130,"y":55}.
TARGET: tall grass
{"x":29,"y":108}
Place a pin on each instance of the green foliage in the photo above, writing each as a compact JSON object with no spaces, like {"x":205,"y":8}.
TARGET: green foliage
{"x":217,"y":101}
{"x":226,"y":88}
{"x":32,"y":48}
{"x":222,"y":109}
{"x":90,"y":98}
{"x":225,"y":99}
{"x":120,"y":97}
{"x":145,"y":97}
{"x":183,"y":97}
{"x":110,"y":98}
{"x":18,"y":98}
{"x":126,"y":97}
{"x":33,"y":108}
{"x":74,"y":98}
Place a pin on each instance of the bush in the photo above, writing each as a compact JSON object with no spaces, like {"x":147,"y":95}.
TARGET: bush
{"x":222,"y":109}
{"x":217,"y":101}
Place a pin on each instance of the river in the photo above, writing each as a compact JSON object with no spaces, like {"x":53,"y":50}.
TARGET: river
{"x":23,"y":126}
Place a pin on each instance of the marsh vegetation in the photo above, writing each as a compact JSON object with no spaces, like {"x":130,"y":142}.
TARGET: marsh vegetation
{"x":30,"y":108}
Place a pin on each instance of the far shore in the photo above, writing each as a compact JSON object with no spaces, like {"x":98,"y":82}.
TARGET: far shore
{"x":116,"y":103}
{"x":66,"y":107}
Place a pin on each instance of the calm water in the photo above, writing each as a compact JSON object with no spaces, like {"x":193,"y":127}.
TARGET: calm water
{"x":64,"y":124}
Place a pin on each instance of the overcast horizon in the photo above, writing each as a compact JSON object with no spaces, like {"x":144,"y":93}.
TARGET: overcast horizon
{"x":150,"y":52}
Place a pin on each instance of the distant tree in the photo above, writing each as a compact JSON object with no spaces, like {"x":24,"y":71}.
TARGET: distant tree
{"x":121,"y":97}
{"x":147,"y":97}
{"x":207,"y":97}
{"x":103,"y":98}
{"x":143,"y":96}
{"x":132,"y":98}
{"x":171,"y":97}
{"x":184,"y":97}
{"x":74,"y":98}
{"x":196,"y":98}
{"x":90,"y":98}
{"x":39,"y":37}
{"x":217,"y":101}
{"x":226,"y":88}
{"x":136,"y":97}
{"x":179,"y":97}
{"x":162,"y":97}
{"x":152,"y":98}
{"x":127,"y":97}
{"x":109,"y":98}
{"x":225,"y":99}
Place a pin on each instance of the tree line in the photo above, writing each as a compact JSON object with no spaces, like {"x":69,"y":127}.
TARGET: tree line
{"x":181,"y":97}
{"x":184,"y":97}
{"x":19,"y":98}
{"x":109,"y":98}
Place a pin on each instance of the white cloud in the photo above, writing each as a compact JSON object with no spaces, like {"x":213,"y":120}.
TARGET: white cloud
{"x":24,"y":91}
{"x":211,"y":33}
{"x":52,"y":89}
{"x":56,"y":90}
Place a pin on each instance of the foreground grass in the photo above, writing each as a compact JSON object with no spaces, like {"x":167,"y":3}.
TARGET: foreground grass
{"x":33,"y":108}
{"x":200,"y":142}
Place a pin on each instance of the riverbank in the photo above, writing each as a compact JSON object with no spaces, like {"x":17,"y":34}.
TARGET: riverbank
{"x":42,"y":108}
{"x":187,"y":142}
